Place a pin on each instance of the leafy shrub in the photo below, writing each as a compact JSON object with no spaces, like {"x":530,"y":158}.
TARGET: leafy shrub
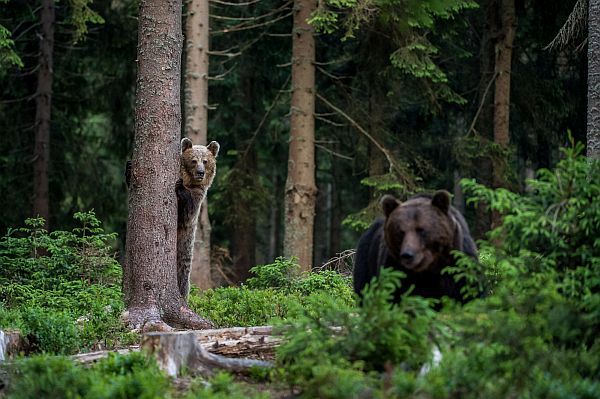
{"x":72,"y":275}
{"x":52,"y":332}
{"x":335,"y":338}
{"x":231,"y":306}
{"x":223,"y":386}
{"x":132,"y":376}
{"x":269,"y":294}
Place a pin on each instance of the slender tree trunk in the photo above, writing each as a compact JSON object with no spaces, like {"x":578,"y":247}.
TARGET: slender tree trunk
{"x":43,"y":103}
{"x":593,"y":106}
{"x":150,"y":278}
{"x":300,"y":187}
{"x":502,"y":84}
{"x":275,"y":220}
{"x":484,"y":124}
{"x":243,"y":239}
{"x":196,"y":121}
{"x":508,"y":23}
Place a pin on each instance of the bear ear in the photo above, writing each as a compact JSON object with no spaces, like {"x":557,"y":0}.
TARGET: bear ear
{"x":388,"y":204}
{"x":186,"y":144}
{"x":213,"y":147}
{"x":441,"y":200}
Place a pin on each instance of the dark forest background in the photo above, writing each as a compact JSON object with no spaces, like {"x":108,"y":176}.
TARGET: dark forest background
{"x":437,"y":130}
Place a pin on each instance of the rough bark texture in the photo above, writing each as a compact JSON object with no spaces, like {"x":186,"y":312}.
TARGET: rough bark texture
{"x":150,"y":278}
{"x":43,"y":104}
{"x":300,"y":187}
{"x":502,"y":83}
{"x":593,"y":106}
{"x":508,"y":23}
{"x":196,"y":121}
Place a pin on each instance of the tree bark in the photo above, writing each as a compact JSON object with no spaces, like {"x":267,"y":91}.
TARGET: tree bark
{"x":196,"y":122}
{"x":593,"y":106}
{"x":502,"y":84}
{"x":300,"y":187}
{"x":149,"y":277}
{"x":508,"y":23}
{"x":43,"y":112}
{"x":484,"y":124}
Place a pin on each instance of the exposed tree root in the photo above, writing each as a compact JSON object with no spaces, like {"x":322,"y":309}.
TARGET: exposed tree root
{"x":185,"y":318}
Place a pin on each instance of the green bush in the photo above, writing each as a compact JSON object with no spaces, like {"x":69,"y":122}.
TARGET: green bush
{"x":132,"y":376}
{"x":72,"y":275}
{"x":269,"y":294}
{"x":533,"y":335}
{"x":334,"y":338}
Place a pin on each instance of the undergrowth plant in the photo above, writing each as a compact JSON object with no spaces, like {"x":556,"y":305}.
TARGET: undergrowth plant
{"x":269,"y":294}
{"x":62,"y":288}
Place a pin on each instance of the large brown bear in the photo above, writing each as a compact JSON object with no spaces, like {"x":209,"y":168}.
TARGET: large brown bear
{"x":416,"y":237}
{"x":198,"y":166}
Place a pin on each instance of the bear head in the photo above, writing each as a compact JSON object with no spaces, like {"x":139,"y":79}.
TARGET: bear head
{"x":198,"y":163}
{"x":419,"y":233}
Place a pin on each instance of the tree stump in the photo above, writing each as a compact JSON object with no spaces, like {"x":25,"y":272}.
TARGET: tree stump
{"x":11,"y":343}
{"x":180,"y":350}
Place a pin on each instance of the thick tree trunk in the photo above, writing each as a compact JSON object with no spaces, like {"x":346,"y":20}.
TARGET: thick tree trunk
{"x":508,"y":22}
{"x":150,"y":278}
{"x":196,"y":121}
{"x":43,"y":103}
{"x":593,"y":106}
{"x":300,"y":187}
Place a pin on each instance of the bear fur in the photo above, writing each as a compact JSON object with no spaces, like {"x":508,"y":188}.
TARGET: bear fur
{"x":415,"y":237}
{"x":198,"y":166}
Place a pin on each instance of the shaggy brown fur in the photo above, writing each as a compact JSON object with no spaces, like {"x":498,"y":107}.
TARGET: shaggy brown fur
{"x":416,"y":237}
{"x":197,"y":171}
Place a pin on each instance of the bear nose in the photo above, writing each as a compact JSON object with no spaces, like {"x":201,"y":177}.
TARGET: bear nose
{"x":407,"y":255}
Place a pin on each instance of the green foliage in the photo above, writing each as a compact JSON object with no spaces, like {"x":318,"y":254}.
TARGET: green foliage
{"x":81,"y":15}
{"x":278,"y":274}
{"x":334,"y":341}
{"x":269,"y":294}
{"x":223,"y":386}
{"x":8,"y":56}
{"x":132,"y":376}
{"x":72,"y":275}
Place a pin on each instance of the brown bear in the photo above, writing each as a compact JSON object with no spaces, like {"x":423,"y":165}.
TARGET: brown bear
{"x":415,"y":237}
{"x":198,"y":166}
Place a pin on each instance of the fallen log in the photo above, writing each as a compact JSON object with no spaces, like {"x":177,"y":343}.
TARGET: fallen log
{"x":235,"y":349}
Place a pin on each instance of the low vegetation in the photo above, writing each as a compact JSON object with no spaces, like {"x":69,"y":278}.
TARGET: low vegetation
{"x":532,"y":335}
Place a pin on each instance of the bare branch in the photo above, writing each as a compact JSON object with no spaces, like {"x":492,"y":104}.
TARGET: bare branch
{"x":358,"y":127}
{"x":575,"y":24}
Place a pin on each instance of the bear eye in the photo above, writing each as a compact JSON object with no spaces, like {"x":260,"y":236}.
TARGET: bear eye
{"x":194,"y":162}
{"x":205,"y":162}
{"x":420,"y":231}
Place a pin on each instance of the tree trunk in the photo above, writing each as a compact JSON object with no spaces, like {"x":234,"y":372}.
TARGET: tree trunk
{"x":300,"y":187}
{"x":196,"y":122}
{"x":593,"y":106}
{"x":502,"y":84}
{"x":149,"y":277}
{"x":484,"y":124}
{"x":43,"y":103}
{"x":508,"y":22}
{"x":243,"y":240}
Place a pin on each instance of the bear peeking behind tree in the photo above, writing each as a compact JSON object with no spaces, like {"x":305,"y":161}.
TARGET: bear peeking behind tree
{"x":198,"y":166}
{"x":416,"y":237}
